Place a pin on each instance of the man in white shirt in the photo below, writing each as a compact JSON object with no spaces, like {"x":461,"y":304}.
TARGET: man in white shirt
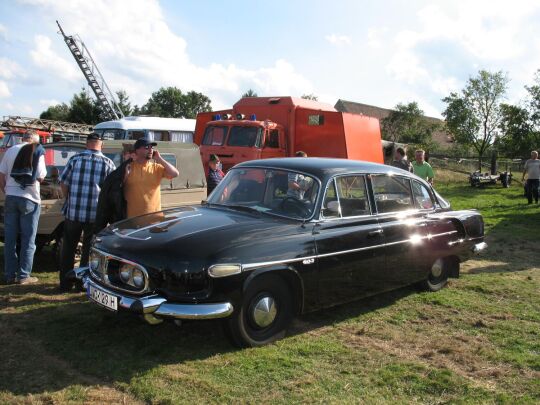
{"x":22,"y":207}
{"x":532,"y":169}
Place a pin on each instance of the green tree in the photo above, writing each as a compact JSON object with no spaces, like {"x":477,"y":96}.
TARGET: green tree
{"x":534,"y":101}
{"x":172,"y":103}
{"x":474,"y":115}
{"x":249,"y":93}
{"x":517,"y":136}
{"x":407,"y":124}
{"x":310,"y":97}
{"x":85,"y":110}
{"x":123,"y":102}
{"x":58,"y":112}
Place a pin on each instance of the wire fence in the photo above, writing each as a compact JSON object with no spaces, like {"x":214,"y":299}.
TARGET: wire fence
{"x":468,"y":165}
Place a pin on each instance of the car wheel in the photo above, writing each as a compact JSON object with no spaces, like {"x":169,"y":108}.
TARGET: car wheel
{"x":438,"y":276}
{"x":265,"y":314}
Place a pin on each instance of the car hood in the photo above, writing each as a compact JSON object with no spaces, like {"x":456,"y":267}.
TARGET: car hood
{"x":196,"y":233}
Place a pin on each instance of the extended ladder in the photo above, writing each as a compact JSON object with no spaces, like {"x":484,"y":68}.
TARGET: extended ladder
{"x":92,"y":74}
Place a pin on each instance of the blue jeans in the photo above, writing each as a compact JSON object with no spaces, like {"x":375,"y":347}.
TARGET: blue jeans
{"x":21,"y":216}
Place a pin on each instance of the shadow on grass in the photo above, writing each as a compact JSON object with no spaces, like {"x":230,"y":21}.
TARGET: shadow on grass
{"x":77,"y":343}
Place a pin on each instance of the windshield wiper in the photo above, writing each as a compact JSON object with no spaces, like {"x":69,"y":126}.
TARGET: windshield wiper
{"x":241,"y":208}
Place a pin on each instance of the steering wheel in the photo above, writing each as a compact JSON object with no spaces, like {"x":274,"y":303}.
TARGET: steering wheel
{"x":297,"y":207}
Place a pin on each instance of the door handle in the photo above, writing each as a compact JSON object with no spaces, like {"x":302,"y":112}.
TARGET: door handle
{"x":375,"y":233}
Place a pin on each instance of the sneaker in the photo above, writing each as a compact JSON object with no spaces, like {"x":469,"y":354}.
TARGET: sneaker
{"x":28,"y":280}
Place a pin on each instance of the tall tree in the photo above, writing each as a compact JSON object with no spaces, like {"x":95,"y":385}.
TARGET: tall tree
{"x":517,"y":135}
{"x":84,"y":110}
{"x":474,"y":115}
{"x":407,"y":123}
{"x":58,"y":112}
{"x":249,"y":93}
{"x":171,"y":102}
{"x":534,"y":101}
{"x":310,"y":97}
{"x":124,"y":103}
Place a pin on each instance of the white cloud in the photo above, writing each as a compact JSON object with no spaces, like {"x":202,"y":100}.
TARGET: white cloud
{"x":136,"y":51}
{"x":452,"y":41}
{"x":49,"y":102}
{"x":9,"y":69}
{"x":3,"y":32}
{"x":4,"y":90}
{"x":48,"y":60}
{"x":338,"y":40}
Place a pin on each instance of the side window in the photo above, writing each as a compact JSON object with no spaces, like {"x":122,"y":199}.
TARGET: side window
{"x":352,"y":196}
{"x":392,"y":193}
{"x":214,"y":136}
{"x":331,"y":207}
{"x":316,"y":119}
{"x":422,"y":197}
{"x":272,"y":139}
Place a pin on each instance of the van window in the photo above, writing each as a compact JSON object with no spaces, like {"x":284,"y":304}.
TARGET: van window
{"x":245,"y":136}
{"x":182,"y":136}
{"x":392,"y":193}
{"x":214,"y":135}
{"x":136,"y":135}
{"x":272,"y":140}
{"x":111,"y":134}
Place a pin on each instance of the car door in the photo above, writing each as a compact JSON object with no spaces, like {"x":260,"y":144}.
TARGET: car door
{"x":349,"y":242}
{"x":403,"y":227}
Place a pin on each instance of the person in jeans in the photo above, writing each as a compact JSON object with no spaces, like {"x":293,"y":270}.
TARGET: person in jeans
{"x":21,"y":171}
{"x":215,"y":174}
{"x":532,"y":169}
{"x":81,"y":183}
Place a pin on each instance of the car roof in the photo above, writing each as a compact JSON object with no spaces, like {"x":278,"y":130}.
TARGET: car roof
{"x":324,"y":167}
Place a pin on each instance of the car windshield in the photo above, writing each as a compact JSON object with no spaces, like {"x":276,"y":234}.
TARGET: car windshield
{"x":271,"y":191}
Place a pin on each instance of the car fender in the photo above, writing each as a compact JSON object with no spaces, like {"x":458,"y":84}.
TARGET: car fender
{"x":289,"y":274}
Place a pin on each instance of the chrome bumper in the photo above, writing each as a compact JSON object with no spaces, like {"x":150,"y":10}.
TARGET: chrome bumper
{"x":155,"y":308}
{"x":479,"y":247}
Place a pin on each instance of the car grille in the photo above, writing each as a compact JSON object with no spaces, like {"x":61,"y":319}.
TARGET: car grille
{"x":108,"y":272}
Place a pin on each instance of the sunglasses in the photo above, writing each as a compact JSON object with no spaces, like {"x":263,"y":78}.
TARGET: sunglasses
{"x":148,"y":147}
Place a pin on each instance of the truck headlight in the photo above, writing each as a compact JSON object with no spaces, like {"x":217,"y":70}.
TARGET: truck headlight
{"x":224,"y":270}
{"x":93,"y":263}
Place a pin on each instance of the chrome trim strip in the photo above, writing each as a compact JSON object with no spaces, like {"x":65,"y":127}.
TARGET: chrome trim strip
{"x":159,"y":307}
{"x":194,"y":311}
{"x":251,"y":266}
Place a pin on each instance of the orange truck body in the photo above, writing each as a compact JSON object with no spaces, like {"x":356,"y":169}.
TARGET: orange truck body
{"x":265,"y":127}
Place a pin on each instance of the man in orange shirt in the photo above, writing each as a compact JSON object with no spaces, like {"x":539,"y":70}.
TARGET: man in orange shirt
{"x":142,"y":189}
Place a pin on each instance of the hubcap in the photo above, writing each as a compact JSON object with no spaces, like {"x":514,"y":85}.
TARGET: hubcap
{"x":264,"y":311}
{"x":437,"y":268}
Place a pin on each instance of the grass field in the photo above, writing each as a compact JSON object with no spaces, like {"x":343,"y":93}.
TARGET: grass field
{"x":478,"y":340}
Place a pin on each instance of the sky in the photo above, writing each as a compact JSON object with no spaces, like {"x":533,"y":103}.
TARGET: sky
{"x":374,"y":52}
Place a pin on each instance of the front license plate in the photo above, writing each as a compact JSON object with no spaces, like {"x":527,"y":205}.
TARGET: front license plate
{"x":102,"y":298}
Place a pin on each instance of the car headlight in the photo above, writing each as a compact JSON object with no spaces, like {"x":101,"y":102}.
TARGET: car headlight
{"x":93,"y":263}
{"x":138,"y":278}
{"x":224,"y":270}
{"x":125,"y":272}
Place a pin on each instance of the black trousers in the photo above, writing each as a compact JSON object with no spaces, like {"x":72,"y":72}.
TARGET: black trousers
{"x":71,"y":238}
{"x":532,"y":190}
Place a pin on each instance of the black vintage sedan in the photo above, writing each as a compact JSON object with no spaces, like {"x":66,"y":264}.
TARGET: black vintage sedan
{"x":280,"y":237}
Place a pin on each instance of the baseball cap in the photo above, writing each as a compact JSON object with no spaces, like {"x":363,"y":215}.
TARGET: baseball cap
{"x":94,"y":136}
{"x":143,"y":142}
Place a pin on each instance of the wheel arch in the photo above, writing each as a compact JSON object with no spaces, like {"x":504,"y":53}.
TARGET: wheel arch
{"x":289,"y":275}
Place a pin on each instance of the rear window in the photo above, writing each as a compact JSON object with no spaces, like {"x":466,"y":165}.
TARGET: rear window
{"x":245,"y":136}
{"x":214,"y":136}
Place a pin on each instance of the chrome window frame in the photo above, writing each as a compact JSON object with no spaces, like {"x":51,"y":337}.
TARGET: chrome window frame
{"x":322,"y":218}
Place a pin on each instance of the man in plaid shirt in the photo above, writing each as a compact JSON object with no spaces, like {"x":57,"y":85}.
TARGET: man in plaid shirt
{"x":81,"y":183}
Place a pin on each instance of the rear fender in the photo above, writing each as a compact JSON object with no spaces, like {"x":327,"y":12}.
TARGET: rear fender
{"x":469,"y":223}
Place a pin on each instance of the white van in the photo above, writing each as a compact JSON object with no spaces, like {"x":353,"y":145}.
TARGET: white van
{"x":153,"y":128}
